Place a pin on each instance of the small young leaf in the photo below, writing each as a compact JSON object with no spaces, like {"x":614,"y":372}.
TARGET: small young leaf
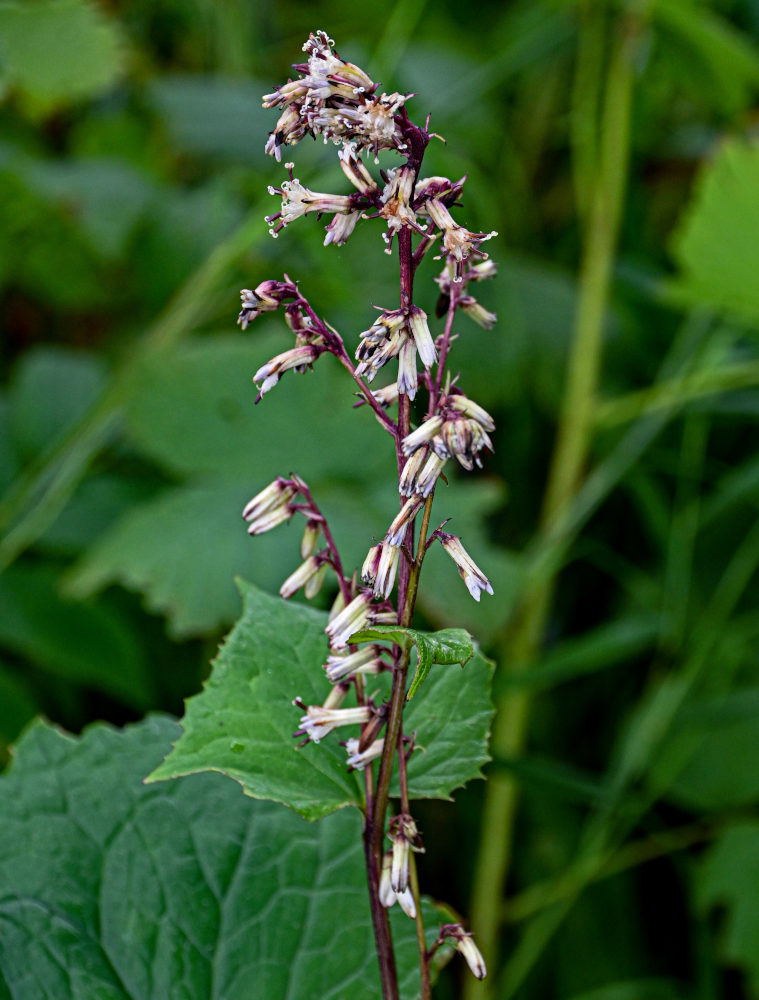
{"x":447,"y":646}
{"x":117,"y":890}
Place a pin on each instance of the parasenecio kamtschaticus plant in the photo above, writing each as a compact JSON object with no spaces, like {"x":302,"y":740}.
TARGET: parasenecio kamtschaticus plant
{"x":366,"y":677}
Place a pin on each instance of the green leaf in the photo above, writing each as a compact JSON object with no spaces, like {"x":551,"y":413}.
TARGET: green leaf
{"x":242,"y":723}
{"x":183,"y":550}
{"x":193,"y":411}
{"x":729,"y":879}
{"x":105,"y":196}
{"x":203,"y":114}
{"x":447,"y":646}
{"x":730,"y":61}
{"x":58,"y":51}
{"x":84,"y":643}
{"x":712,"y":753}
{"x":51,"y":389}
{"x":121,"y":891}
{"x":17,"y":706}
{"x":714,"y":243}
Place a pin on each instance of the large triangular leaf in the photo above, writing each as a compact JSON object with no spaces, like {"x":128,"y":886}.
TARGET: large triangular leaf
{"x":121,"y":891}
{"x":242,"y":722}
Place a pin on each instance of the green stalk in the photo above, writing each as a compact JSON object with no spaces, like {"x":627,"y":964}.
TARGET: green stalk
{"x":520,"y":646}
{"x":42,"y":491}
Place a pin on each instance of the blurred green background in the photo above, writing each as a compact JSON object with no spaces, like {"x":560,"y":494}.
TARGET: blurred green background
{"x":612,"y":145}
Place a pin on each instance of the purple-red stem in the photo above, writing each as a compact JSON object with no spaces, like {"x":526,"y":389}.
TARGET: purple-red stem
{"x":416,"y":140}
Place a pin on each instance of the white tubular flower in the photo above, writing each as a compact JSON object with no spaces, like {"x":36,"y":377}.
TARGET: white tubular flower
{"x":465,"y":439}
{"x":355,"y":169}
{"x":397,"y":529}
{"x":422,"y":336}
{"x":457,"y":240}
{"x":302,"y":575}
{"x":352,"y":618}
{"x":328,"y":76}
{"x":341,"y":228}
{"x":386,"y":396}
{"x":337,"y":606}
{"x":405,"y":836}
{"x":441,"y":188}
{"x":400,"y":864}
{"x":473,"y":956}
{"x":289,"y":130}
{"x":372,"y":123}
{"x":469,"y":571}
{"x":314,"y":585}
{"x":397,"y":198}
{"x":430,"y":474}
{"x":267,"y":297}
{"x":408,"y":379}
{"x":388,"y":566}
{"x":483,"y":270}
{"x":423,"y":434}
{"x":270,"y":507}
{"x":463,"y":404}
{"x":320,"y":720}
{"x":365,"y":661}
{"x":288,"y":93}
{"x":412,"y":468}
{"x":298,"y":200}
{"x":388,"y":322}
{"x":369,"y":568}
{"x":474,"y":310}
{"x":388,"y":896}
{"x":385,"y":618}
{"x":373,"y":355}
{"x":270,"y":373}
{"x":358,"y":759}
{"x":310,"y":541}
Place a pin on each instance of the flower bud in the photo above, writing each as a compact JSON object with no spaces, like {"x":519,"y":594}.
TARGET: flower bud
{"x":352,"y":618}
{"x":358,"y":759}
{"x":422,"y":336}
{"x":469,"y":571}
{"x":424,"y":433}
{"x":302,"y":575}
{"x":270,"y":507}
{"x":310,"y":541}
{"x":388,"y":566}
{"x":407,"y":513}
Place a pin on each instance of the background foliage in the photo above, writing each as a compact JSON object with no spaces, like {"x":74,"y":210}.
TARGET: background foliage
{"x":133,"y":180}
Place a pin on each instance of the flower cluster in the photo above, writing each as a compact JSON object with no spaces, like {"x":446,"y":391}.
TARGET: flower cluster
{"x":338,"y":101}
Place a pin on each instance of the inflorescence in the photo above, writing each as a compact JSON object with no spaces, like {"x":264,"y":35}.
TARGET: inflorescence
{"x":338,"y":101}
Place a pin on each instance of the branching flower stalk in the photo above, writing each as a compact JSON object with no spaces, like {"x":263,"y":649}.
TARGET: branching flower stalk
{"x":339,"y":102}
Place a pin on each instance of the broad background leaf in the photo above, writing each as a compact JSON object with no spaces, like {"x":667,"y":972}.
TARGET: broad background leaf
{"x":121,"y":891}
{"x":56,"y":51}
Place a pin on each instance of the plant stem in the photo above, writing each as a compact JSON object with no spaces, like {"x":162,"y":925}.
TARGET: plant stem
{"x":380,"y":921}
{"x":424,"y":965}
{"x":575,"y":425}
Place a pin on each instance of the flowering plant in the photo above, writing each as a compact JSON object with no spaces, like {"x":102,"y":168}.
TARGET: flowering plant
{"x":369,"y":634}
